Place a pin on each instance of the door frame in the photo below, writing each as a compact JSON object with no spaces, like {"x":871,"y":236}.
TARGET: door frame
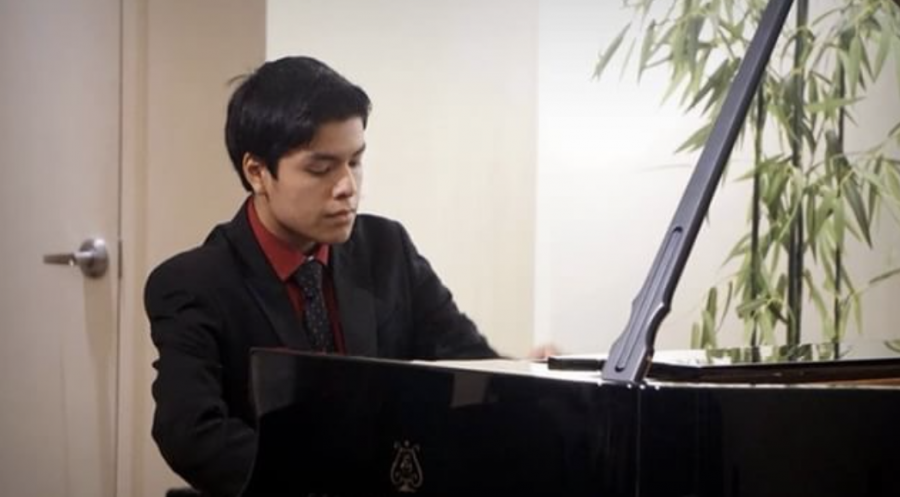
{"x":177,"y":59}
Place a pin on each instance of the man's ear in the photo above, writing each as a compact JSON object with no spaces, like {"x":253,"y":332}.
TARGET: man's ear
{"x":254,"y":170}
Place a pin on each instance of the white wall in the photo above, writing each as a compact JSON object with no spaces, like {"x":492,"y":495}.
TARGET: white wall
{"x":608,"y":184}
{"x":451,"y":141}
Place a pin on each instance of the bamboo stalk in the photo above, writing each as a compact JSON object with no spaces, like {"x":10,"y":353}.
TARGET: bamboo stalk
{"x":795,"y":245}
{"x":755,"y":262}
{"x":838,"y":253}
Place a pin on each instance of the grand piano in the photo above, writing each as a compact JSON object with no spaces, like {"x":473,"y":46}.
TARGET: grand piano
{"x":817,"y":420}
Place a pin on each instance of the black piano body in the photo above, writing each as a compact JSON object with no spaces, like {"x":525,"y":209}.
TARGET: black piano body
{"x":340,"y":426}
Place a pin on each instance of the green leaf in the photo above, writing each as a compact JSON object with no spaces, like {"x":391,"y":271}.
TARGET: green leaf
{"x":768,"y":328}
{"x":839,"y":225}
{"x":811,"y":227}
{"x":824,"y":316}
{"x":696,"y":342}
{"x":607,"y":55}
{"x":830,"y":105}
{"x":822,"y":213}
{"x":719,"y":91}
{"x":647,"y":48}
{"x":740,"y":248}
{"x":692,"y":41}
{"x":645,"y":8}
{"x":853,"y":230}
{"x":813,"y":96}
{"x":697,"y":72}
{"x":773,"y":192}
{"x":627,"y":58}
{"x":748,"y":333}
{"x":857,"y":312}
{"x":893,"y":183}
{"x":707,"y":328}
{"x":827,"y":262}
{"x":848,"y":282}
{"x":893,"y":345}
{"x":735,"y":31}
{"x":780,"y":116}
{"x":709,"y":325}
{"x":854,"y":57}
{"x":745,"y":277}
{"x":675,"y":82}
{"x":781,"y":286}
{"x":874,"y":199}
{"x":716,"y":79}
{"x":833,"y":149}
{"x":807,"y":133}
{"x":896,"y":45}
{"x":746,"y":308}
{"x":884,"y":276}
{"x":884,"y":46}
{"x":851,"y":193}
{"x":728,"y":297}
{"x":867,"y":65}
{"x":696,"y":140}
{"x":729,"y":10}
{"x":895,"y":131}
{"x":712,"y":301}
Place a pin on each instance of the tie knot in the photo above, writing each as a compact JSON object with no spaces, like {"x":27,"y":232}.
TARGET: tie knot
{"x":309,"y":277}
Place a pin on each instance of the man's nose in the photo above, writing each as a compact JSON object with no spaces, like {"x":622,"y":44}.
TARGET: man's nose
{"x":347,"y":183}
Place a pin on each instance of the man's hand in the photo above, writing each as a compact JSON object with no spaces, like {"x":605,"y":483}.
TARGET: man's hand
{"x":542,"y":352}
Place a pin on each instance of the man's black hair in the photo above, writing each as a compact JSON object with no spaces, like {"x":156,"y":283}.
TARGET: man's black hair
{"x":282,"y":104}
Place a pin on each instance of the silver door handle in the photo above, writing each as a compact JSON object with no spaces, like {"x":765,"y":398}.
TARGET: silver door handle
{"x":92,"y":257}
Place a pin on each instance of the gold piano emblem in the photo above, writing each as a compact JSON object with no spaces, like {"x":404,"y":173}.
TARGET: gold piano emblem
{"x":406,"y":473}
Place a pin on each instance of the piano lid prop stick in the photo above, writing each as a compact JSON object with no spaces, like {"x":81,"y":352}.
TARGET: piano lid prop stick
{"x":632,"y":352}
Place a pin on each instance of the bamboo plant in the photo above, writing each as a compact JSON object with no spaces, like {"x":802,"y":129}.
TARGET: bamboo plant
{"x":810,"y":194}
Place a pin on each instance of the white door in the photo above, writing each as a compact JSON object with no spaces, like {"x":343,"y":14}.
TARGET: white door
{"x":59,"y":149}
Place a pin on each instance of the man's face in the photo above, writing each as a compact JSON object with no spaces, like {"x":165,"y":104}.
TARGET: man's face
{"x":315,"y":197}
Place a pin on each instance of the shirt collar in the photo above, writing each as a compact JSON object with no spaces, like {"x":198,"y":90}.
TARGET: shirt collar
{"x":283,"y":258}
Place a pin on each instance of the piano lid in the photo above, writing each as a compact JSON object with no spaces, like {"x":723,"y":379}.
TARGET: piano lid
{"x":864,"y":361}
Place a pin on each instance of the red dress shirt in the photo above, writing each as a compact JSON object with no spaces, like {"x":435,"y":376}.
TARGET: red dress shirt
{"x":285,"y":260}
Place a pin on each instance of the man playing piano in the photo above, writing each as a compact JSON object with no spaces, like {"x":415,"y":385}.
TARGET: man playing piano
{"x":296,"y":268}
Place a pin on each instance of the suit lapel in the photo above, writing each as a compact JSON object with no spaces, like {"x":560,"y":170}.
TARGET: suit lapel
{"x":268,"y":291}
{"x":356,"y":305}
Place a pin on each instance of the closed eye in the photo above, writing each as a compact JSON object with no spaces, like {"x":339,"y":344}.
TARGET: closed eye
{"x":319,"y":168}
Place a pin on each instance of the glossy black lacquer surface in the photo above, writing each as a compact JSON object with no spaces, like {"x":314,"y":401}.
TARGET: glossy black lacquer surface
{"x":360,"y":427}
{"x":337,"y":426}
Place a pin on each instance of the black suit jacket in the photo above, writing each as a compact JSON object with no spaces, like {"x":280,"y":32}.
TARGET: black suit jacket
{"x":210,"y":305}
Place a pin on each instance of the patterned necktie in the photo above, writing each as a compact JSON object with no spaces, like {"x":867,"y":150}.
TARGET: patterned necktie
{"x":315,"y":314}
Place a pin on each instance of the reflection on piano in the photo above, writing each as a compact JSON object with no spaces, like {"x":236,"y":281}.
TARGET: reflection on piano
{"x":812,"y":420}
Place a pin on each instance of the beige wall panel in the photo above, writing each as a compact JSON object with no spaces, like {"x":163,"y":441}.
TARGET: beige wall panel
{"x":452,"y":135}
{"x":180,"y":57}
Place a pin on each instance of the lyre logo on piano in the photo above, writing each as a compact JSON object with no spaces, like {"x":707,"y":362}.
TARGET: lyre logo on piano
{"x":406,"y":472}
